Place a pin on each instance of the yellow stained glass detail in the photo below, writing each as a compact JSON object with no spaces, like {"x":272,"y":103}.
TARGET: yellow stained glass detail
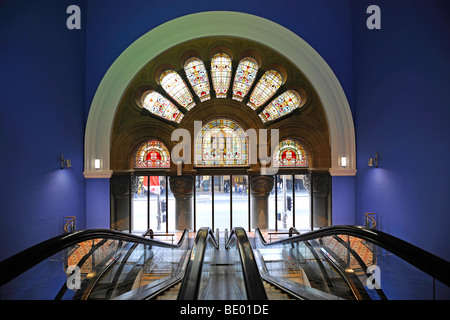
{"x":159,"y":105}
{"x":281,"y":105}
{"x":245,"y":75}
{"x":174,"y":85}
{"x":198,"y":77}
{"x":266,"y":87}
{"x":221,"y":68}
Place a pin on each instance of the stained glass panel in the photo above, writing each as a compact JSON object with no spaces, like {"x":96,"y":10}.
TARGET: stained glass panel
{"x":221,"y":74}
{"x":174,"y":85}
{"x":245,"y":75}
{"x":221,"y":143}
{"x":290,"y":153}
{"x":152,"y":154}
{"x":160,"y":106}
{"x":266,"y":87}
{"x":280,"y":106}
{"x":198,"y":77}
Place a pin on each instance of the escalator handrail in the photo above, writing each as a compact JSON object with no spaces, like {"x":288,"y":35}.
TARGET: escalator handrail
{"x":190,"y":284}
{"x":26,"y":259}
{"x":253,"y":284}
{"x":360,"y":261}
{"x":429,"y":263}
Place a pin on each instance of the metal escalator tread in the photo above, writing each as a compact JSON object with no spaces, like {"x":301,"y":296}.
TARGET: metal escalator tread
{"x":273,"y":293}
{"x":171,"y":293}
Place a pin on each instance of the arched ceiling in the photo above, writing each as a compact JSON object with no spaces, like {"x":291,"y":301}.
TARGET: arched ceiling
{"x":133,"y":124}
{"x":105,"y":137}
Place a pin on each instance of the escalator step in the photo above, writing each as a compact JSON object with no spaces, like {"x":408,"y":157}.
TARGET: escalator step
{"x":171,"y":293}
{"x":273,"y":293}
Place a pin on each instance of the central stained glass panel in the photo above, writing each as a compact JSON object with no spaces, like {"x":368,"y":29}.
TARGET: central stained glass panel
{"x":221,"y":143}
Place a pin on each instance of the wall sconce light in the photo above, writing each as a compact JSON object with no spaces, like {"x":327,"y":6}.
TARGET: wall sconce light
{"x":65,"y":163}
{"x":374,"y":161}
{"x":343,"y":162}
{"x":97,"y":164}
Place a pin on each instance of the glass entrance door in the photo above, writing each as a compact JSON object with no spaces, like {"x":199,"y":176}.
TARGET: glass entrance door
{"x":149,"y":204}
{"x":290,"y":203}
{"x":220,"y":201}
{"x":240,"y":200}
{"x":221,"y":209}
{"x":203,"y":202}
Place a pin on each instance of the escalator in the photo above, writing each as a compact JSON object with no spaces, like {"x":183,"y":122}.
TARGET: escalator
{"x":94,"y":265}
{"x":111,"y":265}
{"x":332,"y":263}
{"x":227,"y":272}
{"x":351,"y":263}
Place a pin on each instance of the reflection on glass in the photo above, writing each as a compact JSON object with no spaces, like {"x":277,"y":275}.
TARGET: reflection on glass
{"x":203,"y":201}
{"x":97,"y":269}
{"x":169,"y":217}
{"x":284,"y":202}
{"x":345,"y":267}
{"x":272,"y":207}
{"x":139,"y":205}
{"x":221,"y":202}
{"x":149,"y":208}
{"x":302,"y":205}
{"x":239,"y":189}
{"x":158,"y":206}
{"x":237,"y":272}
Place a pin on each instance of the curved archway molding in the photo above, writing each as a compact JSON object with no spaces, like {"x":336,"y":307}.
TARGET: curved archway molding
{"x":218,"y":23}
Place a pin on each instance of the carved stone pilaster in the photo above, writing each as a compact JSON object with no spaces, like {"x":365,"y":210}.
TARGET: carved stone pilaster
{"x":120,"y":185}
{"x":134,"y":184}
{"x":261,"y":185}
{"x":307,"y":182}
{"x":182,"y":186}
{"x":120,"y":191}
{"x":260,"y":188}
{"x":322,"y":183}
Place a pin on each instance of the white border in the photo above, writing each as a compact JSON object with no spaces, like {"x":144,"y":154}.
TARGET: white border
{"x":218,"y":23}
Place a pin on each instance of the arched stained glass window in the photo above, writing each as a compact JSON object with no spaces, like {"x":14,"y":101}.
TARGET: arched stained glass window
{"x":221,"y":143}
{"x":245,"y":75}
{"x":174,"y":85}
{"x":198,"y":77}
{"x":152,"y":154}
{"x":160,"y":106}
{"x":221,"y":74}
{"x":266,"y":87}
{"x":290,"y":153}
{"x":281,"y":105}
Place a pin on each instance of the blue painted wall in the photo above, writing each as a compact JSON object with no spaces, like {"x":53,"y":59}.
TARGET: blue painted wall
{"x":42,"y":72}
{"x":343,"y":200}
{"x":401,"y":98}
{"x":97,"y":204}
{"x":114,"y":25}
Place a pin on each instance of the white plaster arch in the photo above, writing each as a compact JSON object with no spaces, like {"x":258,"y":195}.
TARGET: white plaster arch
{"x":218,"y":23}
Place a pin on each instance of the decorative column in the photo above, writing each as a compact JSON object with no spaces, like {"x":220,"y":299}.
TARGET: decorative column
{"x":182,"y":188}
{"x":260,"y":188}
{"x":321,"y":187}
{"x":121,"y":188}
